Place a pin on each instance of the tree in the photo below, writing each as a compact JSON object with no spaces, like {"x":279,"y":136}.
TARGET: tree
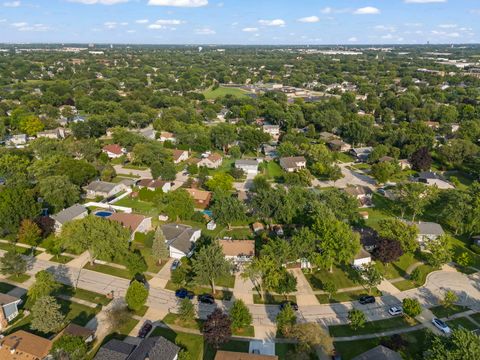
{"x":186,"y":310}
{"x":330,"y":287}
{"x":136,"y":296}
{"x":16,"y":204}
{"x":164,"y":169}
{"x":217,"y":328}
{"x":29,"y":233}
{"x":387,"y":250}
{"x":414,"y":197}
{"x":370,"y":276}
{"x":421,"y":159}
{"x":464,"y":259}
{"x":209,"y":264}
{"x":45,"y":285}
{"x":383,"y":171}
{"x":411,"y":307}
{"x":439,"y":251}
{"x":286,"y":318}
{"x":135,"y":262}
{"x":223,"y":135}
{"x":69,"y":347}
{"x":287,"y":283}
{"x":240,"y":315}
{"x":178,"y":205}
{"x":58,"y":191}
{"x":117,"y":317}
{"x":462,"y":344}
{"x":160,"y":249}
{"x":12,"y":263}
{"x":449,"y":299}
{"x":399,"y":230}
{"x":255,"y":271}
{"x":227,"y":209}
{"x":98,"y":236}
{"x":46,"y":315}
{"x":356,"y":319}
{"x":310,"y":336}
{"x":220,"y":182}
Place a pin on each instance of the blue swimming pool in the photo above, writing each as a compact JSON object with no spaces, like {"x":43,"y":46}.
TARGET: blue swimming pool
{"x":207,"y":212}
{"x":104,"y":214}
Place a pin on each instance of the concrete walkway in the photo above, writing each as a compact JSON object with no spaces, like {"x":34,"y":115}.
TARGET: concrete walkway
{"x":80,"y":260}
{"x":243,"y":289}
{"x":305,"y":295}
{"x":387,"y":288}
{"x":78,"y":301}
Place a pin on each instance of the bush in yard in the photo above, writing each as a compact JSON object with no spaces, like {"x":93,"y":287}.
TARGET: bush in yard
{"x":395,"y":342}
{"x":135,"y":263}
{"x":330,"y":288}
{"x":69,"y":347}
{"x":285,"y":320}
{"x":136,"y":296}
{"x":464,"y":259}
{"x":179,"y":275}
{"x":411,"y":307}
{"x":356,"y":318}
{"x":449,"y":299}
{"x":217,"y":328}
{"x":46,"y":315}
{"x":12,"y":263}
{"x":475,"y":249}
{"x":240,"y":315}
{"x":415,"y":275}
{"x":45,"y":284}
{"x":186,"y":310}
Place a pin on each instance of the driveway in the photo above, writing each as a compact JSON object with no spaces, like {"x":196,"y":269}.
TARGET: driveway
{"x":352,"y":178}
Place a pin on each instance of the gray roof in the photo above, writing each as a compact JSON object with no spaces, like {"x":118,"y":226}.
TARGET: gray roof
{"x":429,"y":175}
{"x":178,"y":236}
{"x":100,"y":186}
{"x":379,"y":352}
{"x":114,"y":350}
{"x":246,"y":163}
{"x":69,"y":214}
{"x":429,"y":228}
{"x":291,"y":162}
{"x":362,"y":254}
{"x":156,"y":348}
{"x":7,"y":299}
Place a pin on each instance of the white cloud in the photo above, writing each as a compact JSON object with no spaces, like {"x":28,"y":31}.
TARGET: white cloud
{"x":385,"y":28}
{"x":131,"y":31}
{"x":142,"y":21}
{"x":446,"y":34}
{"x":178,"y":3}
{"x":309,"y":19}
{"x":205,"y":31}
{"x":367,"y":10}
{"x":275,"y":22}
{"x":250,"y":29}
{"x":447,"y":26}
{"x":23,"y":26}
{"x":102,"y":2}
{"x":12,"y":4}
{"x":155,"y":26}
{"x":3,"y":20}
{"x":353,"y":39}
{"x":424,"y":1}
{"x":326,"y":10}
{"x":110,"y":24}
{"x":169,"y":22}
{"x":19,"y":24}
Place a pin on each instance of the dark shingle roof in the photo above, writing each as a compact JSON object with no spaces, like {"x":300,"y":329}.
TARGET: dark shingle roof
{"x":379,"y":352}
{"x":69,"y":214}
{"x":178,"y":236}
{"x":114,"y":350}
{"x":156,"y":348}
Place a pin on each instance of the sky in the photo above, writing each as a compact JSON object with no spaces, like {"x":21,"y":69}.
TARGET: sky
{"x":246,"y":22}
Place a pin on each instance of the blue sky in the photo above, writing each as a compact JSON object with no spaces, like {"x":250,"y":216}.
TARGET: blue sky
{"x":241,"y":21}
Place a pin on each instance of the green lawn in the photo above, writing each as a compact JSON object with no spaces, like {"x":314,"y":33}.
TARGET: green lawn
{"x":346,"y":296}
{"x":222,"y":91}
{"x":175,"y":319}
{"x":141,"y":207}
{"x":272,"y":299}
{"x":227,"y":165}
{"x":19,"y":249}
{"x":441,"y":311}
{"x":282,"y":350}
{"x":344,"y":157}
{"x":86,"y":295}
{"x":398,"y":268}
{"x":273,"y":171}
{"x":20,"y":278}
{"x":410,"y":284}
{"x":248,"y":331}
{"x":123,"y":273}
{"x":61,"y":259}
{"x":462,"y":322}
{"x":372,"y":327}
{"x":232,"y":345}
{"x":5,"y":287}
{"x":190,"y":342}
{"x":343,"y":277}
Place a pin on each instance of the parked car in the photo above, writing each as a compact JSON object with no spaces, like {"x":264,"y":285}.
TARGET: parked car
{"x":145,"y":330}
{"x":367,"y":299}
{"x":440,"y":325}
{"x":184,"y":293}
{"x":206,"y":299}
{"x":175,"y":265}
{"x":395,"y":310}
{"x":293,"y":305}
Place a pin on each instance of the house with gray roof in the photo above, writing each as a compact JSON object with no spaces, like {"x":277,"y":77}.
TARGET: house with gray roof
{"x":155,"y":348}
{"x":114,"y":350}
{"x":248,"y":166}
{"x":428,"y":231}
{"x":379,"y":352}
{"x":9,"y":309}
{"x":293,"y":163}
{"x":74,"y":212}
{"x":103,"y":189}
{"x":180,"y":239}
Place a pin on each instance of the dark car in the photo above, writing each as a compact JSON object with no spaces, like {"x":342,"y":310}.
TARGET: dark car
{"x":293,"y":305}
{"x":145,"y":330}
{"x":175,"y":265}
{"x":366,"y":300}
{"x":184,"y":293}
{"x":206,"y":299}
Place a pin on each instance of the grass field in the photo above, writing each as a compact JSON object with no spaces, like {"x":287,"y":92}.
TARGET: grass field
{"x":222,"y":91}
{"x":442,"y":312}
{"x":61,"y":259}
{"x":110,"y":270}
{"x":346,"y":296}
{"x":272,"y":299}
{"x":410,"y":284}
{"x":462,"y":322}
{"x":175,"y":319}
{"x":343,"y":277}
{"x":20,"y":278}
{"x":190,"y":342}
{"x":372,"y":327}
{"x":398,"y":268}
{"x":142,"y":207}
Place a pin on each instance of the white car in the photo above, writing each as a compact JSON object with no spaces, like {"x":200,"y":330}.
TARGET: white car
{"x":440,"y":325}
{"x":395,"y":310}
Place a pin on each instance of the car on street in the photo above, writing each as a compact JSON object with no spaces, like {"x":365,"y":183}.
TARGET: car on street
{"x":293,"y":305}
{"x":175,"y":265}
{"x":395,"y":310}
{"x":184,"y":293}
{"x":367,"y":299}
{"x":206,"y":299}
{"x":440,"y":325}
{"x":145,"y":330}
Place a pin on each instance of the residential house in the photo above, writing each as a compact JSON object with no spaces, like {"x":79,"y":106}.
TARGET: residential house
{"x":180,"y":239}
{"x":270,"y":151}
{"x":327,"y":136}
{"x":435,"y":125}
{"x":239,"y":251}
{"x":404,"y":164}
{"x":88,"y":335}
{"x":179,"y":156}
{"x":22,"y":345}
{"x":249,"y":167}
{"x":293,"y":163}
{"x":9,"y":309}
{"x":202,"y":198}
{"x":18,"y":140}
{"x":339,"y":145}
{"x":428,"y":231}
{"x":56,"y":134}
{"x":155,"y":348}
{"x":103,"y":189}
{"x":431,"y":178}
{"x":368,"y":238}
{"x":153,"y":185}
{"x":211,"y":161}
{"x":211,"y":225}
{"x":148,"y":132}
{"x":379,"y":352}
{"x":386,"y":159}
{"x":133,"y":222}
{"x":272,"y":130}
{"x":257,"y":227}
{"x":114,"y":151}
{"x":230,"y":355}
{"x":167,"y":136}
{"x":361,"y":153}
{"x":361,"y":259}
{"x":362,"y":193}
{"x":114,"y":350}
{"x":74,"y":212}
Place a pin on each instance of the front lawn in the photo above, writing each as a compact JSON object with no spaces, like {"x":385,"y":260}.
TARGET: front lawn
{"x":441,"y":311}
{"x":248,"y":331}
{"x":61,"y":259}
{"x":273,"y":171}
{"x":175,"y":319}
{"x":343,"y":277}
{"x":346,"y":296}
{"x":19,"y":279}
{"x":464,"y":322}
{"x":141,"y":207}
{"x":190,"y":342}
{"x":273,"y":299}
{"x":282,"y":350}
{"x":424,"y":270}
{"x":372,"y":327}
{"x":86,"y":295}
{"x":19,"y":249}
{"x":211,"y":94}
{"x":110,"y":270}
{"x":398,"y":268}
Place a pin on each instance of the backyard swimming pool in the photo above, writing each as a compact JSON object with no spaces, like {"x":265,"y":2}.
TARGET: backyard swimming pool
{"x":103,"y":213}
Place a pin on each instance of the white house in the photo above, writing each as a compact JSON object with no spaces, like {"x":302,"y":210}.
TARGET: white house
{"x":114,"y":151}
{"x":293,"y":163}
{"x":238,"y":251}
{"x":249,"y":167}
{"x":9,"y":309}
{"x":272,"y":130}
{"x":153,"y":185}
{"x":18,"y":140}
{"x":167,"y":136}
{"x":361,"y":153}
{"x":104,"y":189}
{"x":361,"y":259}
{"x":428,"y":231}
{"x":57,"y":134}
{"x":180,"y":239}
{"x":74,"y":212}
{"x":211,"y":161}
{"x":179,"y":156}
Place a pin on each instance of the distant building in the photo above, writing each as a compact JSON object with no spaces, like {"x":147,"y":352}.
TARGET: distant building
{"x":74,"y":212}
{"x":133,"y":222}
{"x":153,"y":185}
{"x":202,"y":198}
{"x":17,"y":140}
{"x":272,"y":130}
{"x":114,"y":350}
{"x":428,"y":231}
{"x":361,"y":259}
{"x":180,"y":239}
{"x":239,"y":251}
{"x":167,"y":136}
{"x":362,"y":153}
{"x":103,"y":189}
{"x":9,"y":309}
{"x":249,"y":167}
{"x":211,"y":161}
{"x":338,"y":145}
{"x":22,"y":345}
{"x":230,"y":355}
{"x":362,"y":193}
{"x":155,"y":348}
{"x":179,"y":156}
{"x":114,"y":151}
{"x":293,"y":163}
{"x":379,"y":352}
{"x":55,"y":134}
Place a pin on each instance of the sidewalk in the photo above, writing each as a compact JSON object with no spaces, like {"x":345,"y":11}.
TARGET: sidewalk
{"x":243,"y":289}
{"x":305,"y":294}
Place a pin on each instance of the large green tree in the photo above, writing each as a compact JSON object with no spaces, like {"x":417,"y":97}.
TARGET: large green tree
{"x":136,"y":296}
{"x":209,"y":264}
{"x":16,"y":203}
{"x":227,"y":209}
{"x":58,"y":191}
{"x":44,"y":285}
{"x":12,"y":263}
{"x":46,"y":315}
